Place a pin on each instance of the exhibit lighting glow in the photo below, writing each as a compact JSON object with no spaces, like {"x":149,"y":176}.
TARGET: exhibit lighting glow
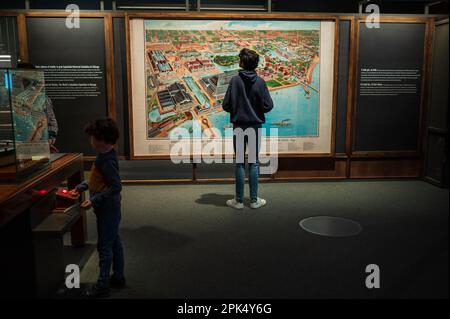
{"x":7,"y":80}
{"x":39,"y":192}
{"x":5,"y":58}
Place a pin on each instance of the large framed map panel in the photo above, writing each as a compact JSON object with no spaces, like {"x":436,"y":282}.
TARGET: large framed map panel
{"x":180,"y":68}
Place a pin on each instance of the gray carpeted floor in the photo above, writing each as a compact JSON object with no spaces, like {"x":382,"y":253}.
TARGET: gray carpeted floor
{"x":181,"y":241}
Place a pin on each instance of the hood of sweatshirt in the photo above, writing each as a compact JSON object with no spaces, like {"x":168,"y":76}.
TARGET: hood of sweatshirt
{"x":248,"y":76}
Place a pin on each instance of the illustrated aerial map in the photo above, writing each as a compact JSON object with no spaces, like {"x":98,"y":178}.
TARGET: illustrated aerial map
{"x":180,"y":70}
{"x":188,"y":65}
{"x":28,"y":98}
{"x":23,"y":94}
{"x":28,"y":105}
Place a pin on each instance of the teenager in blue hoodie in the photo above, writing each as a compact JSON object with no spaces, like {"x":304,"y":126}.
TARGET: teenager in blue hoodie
{"x":247,"y":99}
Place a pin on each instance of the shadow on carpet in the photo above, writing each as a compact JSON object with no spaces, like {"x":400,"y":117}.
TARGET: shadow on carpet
{"x":214,"y":199}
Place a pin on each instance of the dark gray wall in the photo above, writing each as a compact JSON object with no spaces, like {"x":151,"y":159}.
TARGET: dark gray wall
{"x":50,"y":42}
{"x":341,"y":107}
{"x":386,"y":122}
{"x":120,"y":69}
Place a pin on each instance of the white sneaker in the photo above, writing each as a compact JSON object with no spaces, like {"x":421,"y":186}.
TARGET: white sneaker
{"x":233,"y":203}
{"x":259,"y":203}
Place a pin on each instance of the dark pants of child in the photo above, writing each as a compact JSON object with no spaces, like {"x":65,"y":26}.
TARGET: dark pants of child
{"x":253,"y":166}
{"x":109,"y":244}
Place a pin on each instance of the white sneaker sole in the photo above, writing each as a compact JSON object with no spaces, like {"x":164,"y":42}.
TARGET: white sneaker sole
{"x":239,"y":206}
{"x":263,"y":203}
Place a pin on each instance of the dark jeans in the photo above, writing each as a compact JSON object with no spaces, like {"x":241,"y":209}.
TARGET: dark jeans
{"x":253,"y":164}
{"x":109,"y":244}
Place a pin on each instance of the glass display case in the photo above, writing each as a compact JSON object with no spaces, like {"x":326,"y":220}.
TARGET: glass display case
{"x":24,"y":147}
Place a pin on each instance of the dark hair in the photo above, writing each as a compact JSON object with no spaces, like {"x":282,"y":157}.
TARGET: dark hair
{"x":25,"y":65}
{"x":103,"y":130}
{"x":249,"y":59}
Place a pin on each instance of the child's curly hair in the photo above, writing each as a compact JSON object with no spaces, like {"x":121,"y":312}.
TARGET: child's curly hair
{"x":103,"y":130}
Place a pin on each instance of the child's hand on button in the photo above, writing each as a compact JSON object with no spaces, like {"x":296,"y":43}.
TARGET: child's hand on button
{"x":74,"y":192}
{"x":86,"y":204}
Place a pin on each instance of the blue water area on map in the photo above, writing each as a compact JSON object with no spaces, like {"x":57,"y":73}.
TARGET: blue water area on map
{"x":24,"y":127}
{"x":188,"y":125}
{"x":290,"y":106}
{"x":178,"y":131}
{"x":154,"y":115}
{"x":274,"y":54}
{"x":26,"y":124}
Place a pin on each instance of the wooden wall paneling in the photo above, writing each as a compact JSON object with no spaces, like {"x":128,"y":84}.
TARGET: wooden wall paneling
{"x":424,"y":83}
{"x":435,"y":142}
{"x":384,"y":154}
{"x":354,"y":89}
{"x":22,"y":32}
{"x":379,"y":164}
{"x":335,"y":84}
{"x":109,"y":63}
{"x":425,"y":101}
{"x":130,"y":93}
{"x":342,"y":165}
{"x":63,"y":13}
{"x":385,"y":168}
{"x":311,"y":168}
{"x":9,"y":13}
{"x":351,"y":91}
{"x":231,"y":15}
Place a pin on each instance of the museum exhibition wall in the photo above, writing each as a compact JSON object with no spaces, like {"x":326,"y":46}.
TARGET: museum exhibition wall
{"x":350,"y":101}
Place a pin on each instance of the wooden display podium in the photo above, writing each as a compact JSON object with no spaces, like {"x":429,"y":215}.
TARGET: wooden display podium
{"x":31,"y":229}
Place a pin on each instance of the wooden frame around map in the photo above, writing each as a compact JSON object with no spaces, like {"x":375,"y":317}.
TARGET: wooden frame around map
{"x":233,"y":16}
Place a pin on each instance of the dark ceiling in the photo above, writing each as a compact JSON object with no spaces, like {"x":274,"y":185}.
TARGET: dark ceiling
{"x":337,"y":6}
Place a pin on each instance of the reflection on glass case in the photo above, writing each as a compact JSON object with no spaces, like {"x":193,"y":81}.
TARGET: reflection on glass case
{"x":24,"y":147}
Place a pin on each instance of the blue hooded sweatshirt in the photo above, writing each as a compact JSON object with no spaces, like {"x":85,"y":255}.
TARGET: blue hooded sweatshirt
{"x":247,"y":99}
